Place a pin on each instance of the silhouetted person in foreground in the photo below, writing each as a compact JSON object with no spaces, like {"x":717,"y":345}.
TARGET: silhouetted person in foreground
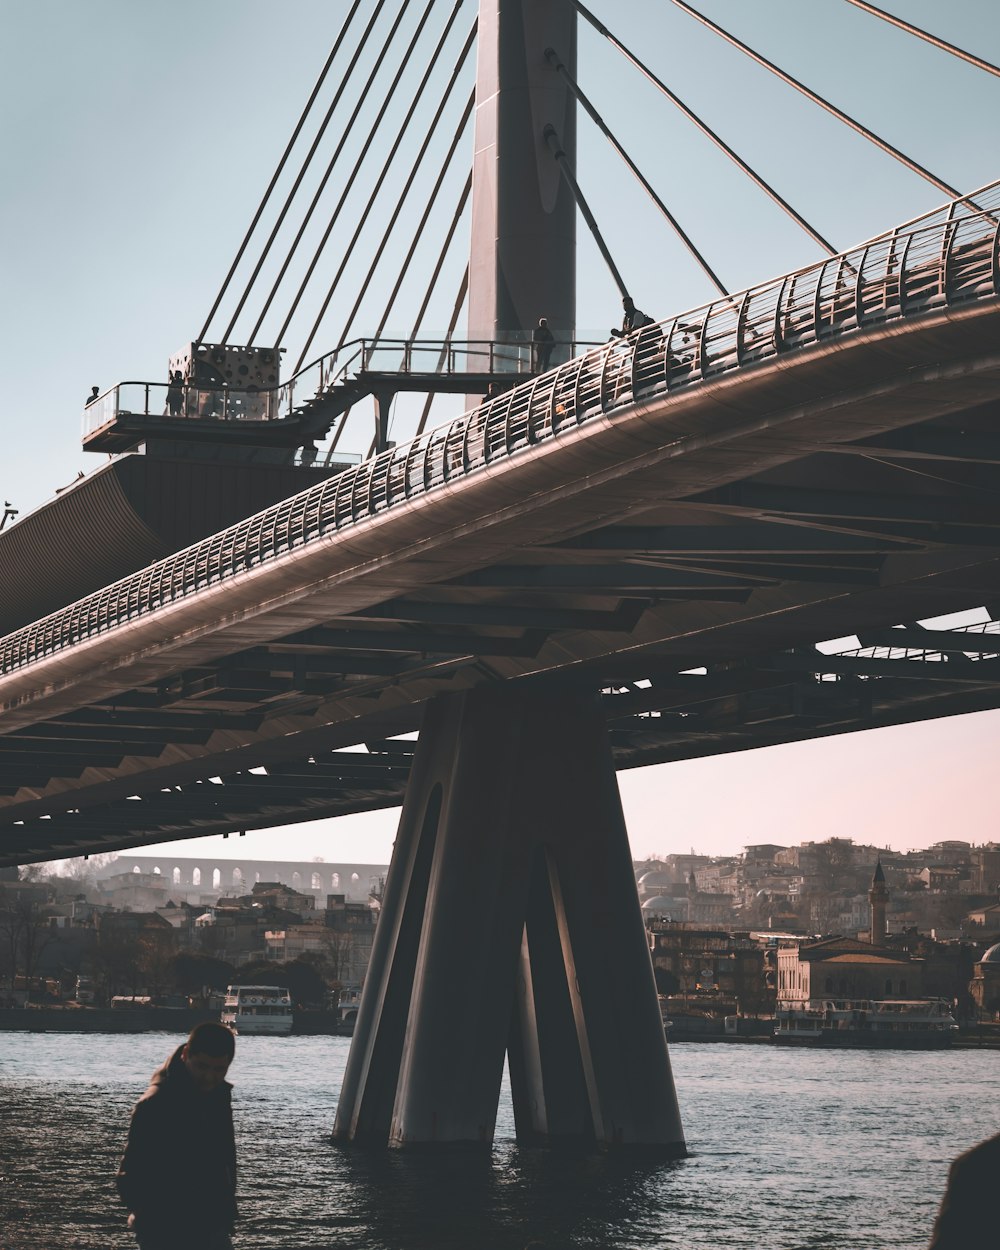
{"x":967,"y":1216}
{"x":95,"y":393}
{"x":542,"y":343}
{"x":178,"y":1173}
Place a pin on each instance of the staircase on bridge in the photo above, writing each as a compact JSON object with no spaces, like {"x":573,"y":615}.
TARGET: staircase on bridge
{"x":302,"y":410}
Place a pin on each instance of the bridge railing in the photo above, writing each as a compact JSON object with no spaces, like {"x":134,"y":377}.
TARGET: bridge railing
{"x":949,"y":259}
{"x":158,"y":399}
{"x":511,"y":357}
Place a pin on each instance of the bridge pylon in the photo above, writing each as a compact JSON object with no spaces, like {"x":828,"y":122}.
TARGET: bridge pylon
{"x":522,"y":262}
{"x":511,"y":925}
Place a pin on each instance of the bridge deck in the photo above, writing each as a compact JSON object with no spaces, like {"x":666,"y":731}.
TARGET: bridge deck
{"x":674,"y":523}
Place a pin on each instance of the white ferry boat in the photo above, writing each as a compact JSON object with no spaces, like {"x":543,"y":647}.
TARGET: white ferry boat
{"x":250,"y":1009}
{"x":896,"y":1024}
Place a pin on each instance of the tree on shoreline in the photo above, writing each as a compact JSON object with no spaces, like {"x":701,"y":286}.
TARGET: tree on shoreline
{"x":24,"y":934}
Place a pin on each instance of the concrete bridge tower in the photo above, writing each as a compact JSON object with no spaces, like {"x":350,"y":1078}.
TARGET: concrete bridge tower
{"x":522,"y":263}
{"x":510,"y":920}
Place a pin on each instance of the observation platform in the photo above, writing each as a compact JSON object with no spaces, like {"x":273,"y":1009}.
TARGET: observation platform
{"x":303,"y":409}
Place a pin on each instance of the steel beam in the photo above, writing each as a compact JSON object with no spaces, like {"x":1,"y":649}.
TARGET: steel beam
{"x":962,"y":641}
{"x":750,"y":538}
{"x":622,"y":618}
{"x":982,"y":673}
{"x":956,"y":507}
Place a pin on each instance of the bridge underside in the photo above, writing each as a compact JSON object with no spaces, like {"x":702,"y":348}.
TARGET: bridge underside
{"x":696,"y":619}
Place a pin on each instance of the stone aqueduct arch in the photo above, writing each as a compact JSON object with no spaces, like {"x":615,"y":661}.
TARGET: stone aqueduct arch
{"x":308,"y":876}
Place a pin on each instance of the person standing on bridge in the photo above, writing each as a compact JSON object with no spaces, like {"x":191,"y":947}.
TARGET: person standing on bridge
{"x":542,"y":343}
{"x":178,"y":1173}
{"x":175,"y":393}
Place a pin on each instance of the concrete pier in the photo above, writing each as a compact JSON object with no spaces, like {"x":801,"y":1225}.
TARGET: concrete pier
{"x":511,"y":921}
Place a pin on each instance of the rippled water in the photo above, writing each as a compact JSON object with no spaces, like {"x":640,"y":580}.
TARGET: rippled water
{"x":789,"y":1150}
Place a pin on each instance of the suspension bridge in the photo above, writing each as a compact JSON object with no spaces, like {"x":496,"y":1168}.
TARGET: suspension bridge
{"x":620,"y":553}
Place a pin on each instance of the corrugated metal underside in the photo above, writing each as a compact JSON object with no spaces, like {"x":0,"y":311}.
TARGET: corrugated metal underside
{"x":128,"y":513}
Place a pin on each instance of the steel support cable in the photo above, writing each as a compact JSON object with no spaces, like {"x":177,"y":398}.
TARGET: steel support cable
{"x":335,"y":216}
{"x":824,"y":104}
{"x":355,"y":171}
{"x":707,"y":131}
{"x":463,"y":123}
{"x":463,"y":199}
{"x":308,"y":159}
{"x":552,"y":139}
{"x":463,"y":290}
{"x":404,"y":267}
{"x":281,"y":165}
{"x":553,"y":58}
{"x":463,"y":55}
{"x":943,"y":44}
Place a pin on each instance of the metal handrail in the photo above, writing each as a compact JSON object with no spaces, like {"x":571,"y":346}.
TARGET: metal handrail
{"x":951,"y":260}
{"x":512,"y":356}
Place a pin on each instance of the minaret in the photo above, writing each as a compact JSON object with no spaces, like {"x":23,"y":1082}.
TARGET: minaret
{"x":878,"y":896}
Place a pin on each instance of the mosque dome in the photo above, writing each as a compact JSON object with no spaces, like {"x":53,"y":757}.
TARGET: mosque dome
{"x":655,"y":876}
{"x":659,"y":903}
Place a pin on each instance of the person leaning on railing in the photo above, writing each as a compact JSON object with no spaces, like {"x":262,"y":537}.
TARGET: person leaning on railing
{"x":634,"y":319}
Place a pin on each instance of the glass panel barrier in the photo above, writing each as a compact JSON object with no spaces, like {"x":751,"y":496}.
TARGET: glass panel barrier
{"x":100,"y":412}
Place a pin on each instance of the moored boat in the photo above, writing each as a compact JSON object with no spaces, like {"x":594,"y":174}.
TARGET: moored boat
{"x":253,"y":1009}
{"x":896,"y":1024}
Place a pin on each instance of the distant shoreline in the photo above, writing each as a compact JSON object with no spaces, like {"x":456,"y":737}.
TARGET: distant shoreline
{"x":139,"y":1020}
{"x":318,"y":1023}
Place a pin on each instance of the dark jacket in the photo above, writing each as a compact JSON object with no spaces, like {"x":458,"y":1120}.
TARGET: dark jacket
{"x":635,"y":319}
{"x":967,"y":1217}
{"x":178,"y":1171}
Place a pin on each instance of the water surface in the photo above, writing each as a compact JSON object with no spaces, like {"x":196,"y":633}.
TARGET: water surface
{"x":790,"y":1150}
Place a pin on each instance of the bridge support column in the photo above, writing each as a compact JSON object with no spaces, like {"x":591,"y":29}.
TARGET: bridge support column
{"x":383,"y":409}
{"x":510,"y":922}
{"x":522,"y":260}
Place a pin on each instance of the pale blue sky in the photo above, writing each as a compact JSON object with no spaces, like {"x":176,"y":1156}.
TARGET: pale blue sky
{"x":136,"y":139}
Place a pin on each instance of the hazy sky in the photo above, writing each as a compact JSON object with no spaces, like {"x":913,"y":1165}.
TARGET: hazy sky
{"x":137,"y":139}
